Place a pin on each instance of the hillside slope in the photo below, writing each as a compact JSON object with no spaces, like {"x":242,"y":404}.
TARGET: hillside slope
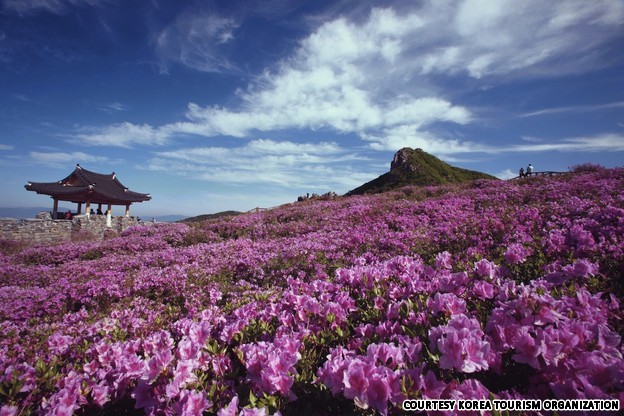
{"x":347,"y":306}
{"x":204,"y":217}
{"x":417,"y":167}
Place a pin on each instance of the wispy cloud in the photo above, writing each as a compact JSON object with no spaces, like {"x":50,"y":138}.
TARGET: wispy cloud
{"x":406,"y":137}
{"x":263,"y":161}
{"x":573,"y":109}
{"x":608,"y":142}
{"x":196,"y":40}
{"x":53,"y":6}
{"x":22,"y":97}
{"x":62,"y":159}
{"x":6,"y":147}
{"x":111,"y":108}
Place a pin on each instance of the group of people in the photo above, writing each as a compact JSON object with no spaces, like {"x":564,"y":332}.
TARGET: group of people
{"x":325,"y":196}
{"x":529,"y":171}
{"x":69,"y":215}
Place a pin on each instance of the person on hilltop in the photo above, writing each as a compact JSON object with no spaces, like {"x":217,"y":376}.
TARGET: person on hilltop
{"x":521,"y":173}
{"x":529,"y":170}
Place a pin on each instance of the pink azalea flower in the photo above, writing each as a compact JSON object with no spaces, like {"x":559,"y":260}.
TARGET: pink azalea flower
{"x":461,"y":344}
{"x":157,"y":364}
{"x":448,"y":303}
{"x":7,"y":410}
{"x":230,"y":409}
{"x":192,"y":403}
{"x":144,"y":397}
{"x":443,"y":260}
{"x":254,"y":412}
{"x":100,"y":395}
{"x":332,"y":372}
{"x":584,"y":268}
{"x":470,"y":389}
{"x":527,"y":350}
{"x":59,"y":344}
{"x":188,"y":349}
{"x":432,"y":388}
{"x":483,"y":290}
{"x":378,"y":392}
{"x":272,"y":365}
{"x":355,"y":379}
{"x":385,"y":354}
{"x":485,"y":268}
{"x":516,"y":253}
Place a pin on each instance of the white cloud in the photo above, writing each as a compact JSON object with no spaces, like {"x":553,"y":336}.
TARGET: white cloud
{"x":121,"y":135}
{"x":504,"y":36}
{"x":373,"y":77}
{"x":411,"y":136}
{"x":506,"y":174}
{"x":346,"y":85}
{"x":6,"y":147}
{"x":365,"y":81}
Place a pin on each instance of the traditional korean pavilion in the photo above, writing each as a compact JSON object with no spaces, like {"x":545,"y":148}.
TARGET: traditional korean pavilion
{"x":85,"y":187}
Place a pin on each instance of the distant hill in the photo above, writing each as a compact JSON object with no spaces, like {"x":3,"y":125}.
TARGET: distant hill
{"x":417,"y":167}
{"x":205,"y":217}
{"x":166,"y":218}
{"x":26,"y":212}
{"x":30,"y":212}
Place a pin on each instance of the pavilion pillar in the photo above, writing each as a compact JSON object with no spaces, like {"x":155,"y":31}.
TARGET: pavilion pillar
{"x":79,"y":208}
{"x":127,"y":210}
{"x":55,"y":209}
{"x":109,"y":211}
{"x":88,"y":209}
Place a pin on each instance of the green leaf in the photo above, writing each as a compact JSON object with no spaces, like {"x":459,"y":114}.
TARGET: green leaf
{"x":252,"y":399}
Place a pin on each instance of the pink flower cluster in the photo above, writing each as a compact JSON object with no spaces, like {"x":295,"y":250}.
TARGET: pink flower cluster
{"x":489,"y":289}
{"x":462,"y":345}
{"x":371,"y":380}
{"x":271,"y":366}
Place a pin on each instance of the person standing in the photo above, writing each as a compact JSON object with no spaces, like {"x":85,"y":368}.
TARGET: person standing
{"x":521,"y":173}
{"x":529,"y":170}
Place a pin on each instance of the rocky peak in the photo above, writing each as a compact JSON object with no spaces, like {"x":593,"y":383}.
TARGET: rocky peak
{"x":403,"y":160}
{"x":415,"y":167}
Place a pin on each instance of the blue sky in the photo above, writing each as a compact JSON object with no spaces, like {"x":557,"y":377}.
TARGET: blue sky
{"x":232,"y":104}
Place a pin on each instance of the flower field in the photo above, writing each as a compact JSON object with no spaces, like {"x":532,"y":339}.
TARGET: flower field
{"x":490,"y":289}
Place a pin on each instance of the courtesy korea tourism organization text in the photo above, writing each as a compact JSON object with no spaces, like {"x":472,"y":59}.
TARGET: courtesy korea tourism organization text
{"x":420,"y":405}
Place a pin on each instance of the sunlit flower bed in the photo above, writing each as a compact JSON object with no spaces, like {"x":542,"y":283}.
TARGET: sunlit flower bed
{"x":487,"y":290}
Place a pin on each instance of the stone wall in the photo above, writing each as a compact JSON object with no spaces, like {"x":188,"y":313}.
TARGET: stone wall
{"x":44,"y":230}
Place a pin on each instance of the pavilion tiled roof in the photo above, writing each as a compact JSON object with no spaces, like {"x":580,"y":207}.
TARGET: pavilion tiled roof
{"x":83,"y":185}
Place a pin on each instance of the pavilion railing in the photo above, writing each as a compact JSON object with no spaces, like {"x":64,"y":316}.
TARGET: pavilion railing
{"x":543,"y":173}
